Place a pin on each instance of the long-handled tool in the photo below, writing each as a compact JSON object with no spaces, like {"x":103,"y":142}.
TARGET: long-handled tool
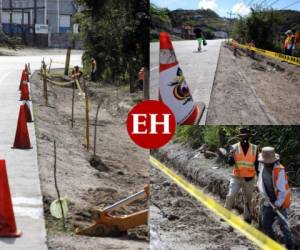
{"x":278,"y":213}
{"x":107,"y":224}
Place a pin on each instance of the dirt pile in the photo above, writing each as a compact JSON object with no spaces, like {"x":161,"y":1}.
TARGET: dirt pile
{"x":120,"y":169}
{"x":254,"y":91}
{"x":213,"y":176}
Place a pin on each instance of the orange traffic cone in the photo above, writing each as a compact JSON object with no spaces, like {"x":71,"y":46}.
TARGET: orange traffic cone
{"x":24,"y":92}
{"x":22,"y":140}
{"x":28,"y":113}
{"x":24,"y":78}
{"x":173,"y":89}
{"x":8,"y":226}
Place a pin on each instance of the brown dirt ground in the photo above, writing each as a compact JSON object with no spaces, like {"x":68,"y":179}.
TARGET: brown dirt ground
{"x":261,"y":91}
{"x":175,"y":215}
{"x":124,"y":168}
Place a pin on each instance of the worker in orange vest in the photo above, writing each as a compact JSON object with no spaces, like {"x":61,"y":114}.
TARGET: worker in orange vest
{"x":141,"y":77}
{"x":234,"y":45}
{"x":274,"y":188}
{"x":288,"y":44}
{"x":244,"y":157}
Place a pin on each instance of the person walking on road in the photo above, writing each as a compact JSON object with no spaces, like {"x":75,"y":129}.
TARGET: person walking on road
{"x":244,"y":157}
{"x":200,"y":39}
{"x":274,"y":188}
{"x":94,"y":69}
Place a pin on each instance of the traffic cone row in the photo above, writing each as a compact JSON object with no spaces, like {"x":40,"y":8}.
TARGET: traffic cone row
{"x":8,"y":227}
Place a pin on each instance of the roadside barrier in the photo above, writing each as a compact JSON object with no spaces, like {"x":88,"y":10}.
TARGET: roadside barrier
{"x":256,"y":236}
{"x":275,"y":55}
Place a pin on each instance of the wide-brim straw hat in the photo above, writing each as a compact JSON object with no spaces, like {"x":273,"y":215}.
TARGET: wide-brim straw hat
{"x":268,"y":155}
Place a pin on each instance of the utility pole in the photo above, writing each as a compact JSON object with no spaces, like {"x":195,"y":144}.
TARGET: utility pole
{"x":10,"y":18}
{"x":231,"y":14}
{"x":1,"y":4}
{"x":34,"y":19}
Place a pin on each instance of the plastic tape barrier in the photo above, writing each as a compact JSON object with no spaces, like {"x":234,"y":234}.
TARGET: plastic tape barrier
{"x":79,"y":87}
{"x":275,"y":55}
{"x":257,"y":237}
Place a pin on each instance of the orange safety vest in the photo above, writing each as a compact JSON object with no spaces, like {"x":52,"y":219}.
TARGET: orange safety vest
{"x":276,"y":171}
{"x":244,"y":164}
{"x":234,"y":44}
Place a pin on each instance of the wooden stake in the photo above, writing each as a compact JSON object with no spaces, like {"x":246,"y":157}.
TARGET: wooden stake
{"x":73,"y":100}
{"x":87,"y":129}
{"x":95,"y":130}
{"x":67,"y":65}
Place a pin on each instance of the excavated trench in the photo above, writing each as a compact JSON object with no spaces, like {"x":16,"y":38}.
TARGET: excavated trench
{"x":213,"y":176}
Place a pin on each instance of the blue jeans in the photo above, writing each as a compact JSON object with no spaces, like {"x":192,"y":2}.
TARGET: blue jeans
{"x":268,"y":220}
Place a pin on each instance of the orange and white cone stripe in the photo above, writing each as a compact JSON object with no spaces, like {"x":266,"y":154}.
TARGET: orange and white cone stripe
{"x":173,"y":89}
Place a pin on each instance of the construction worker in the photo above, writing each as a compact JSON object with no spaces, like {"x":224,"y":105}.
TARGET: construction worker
{"x":200,"y":38}
{"x":295,"y":39}
{"x":244,"y":157}
{"x":234,"y":45}
{"x":288,"y":43}
{"x":94,"y":69}
{"x":141,"y":76}
{"x":76,"y":73}
{"x":274,"y":188}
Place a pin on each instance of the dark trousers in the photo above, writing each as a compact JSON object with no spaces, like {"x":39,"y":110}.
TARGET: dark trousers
{"x":268,"y":220}
{"x":93,"y":76}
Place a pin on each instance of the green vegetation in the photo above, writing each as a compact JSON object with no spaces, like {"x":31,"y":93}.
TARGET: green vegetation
{"x":285,"y":139}
{"x":266,"y":28}
{"x":7,"y":41}
{"x":116,"y":34}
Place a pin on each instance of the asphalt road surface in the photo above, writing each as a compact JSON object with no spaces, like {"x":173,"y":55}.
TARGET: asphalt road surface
{"x":22,"y":166}
{"x":198,"y":68}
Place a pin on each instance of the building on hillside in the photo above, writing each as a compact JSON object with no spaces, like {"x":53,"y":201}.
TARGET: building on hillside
{"x":187,"y":31}
{"x":31,"y":17}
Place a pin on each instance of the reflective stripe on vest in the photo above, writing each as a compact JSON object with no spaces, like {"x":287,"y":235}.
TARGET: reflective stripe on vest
{"x":276,"y":171}
{"x":244,"y":164}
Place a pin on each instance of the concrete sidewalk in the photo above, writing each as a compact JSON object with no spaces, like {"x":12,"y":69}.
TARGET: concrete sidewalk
{"x":198,"y":68}
{"x":22,"y":165}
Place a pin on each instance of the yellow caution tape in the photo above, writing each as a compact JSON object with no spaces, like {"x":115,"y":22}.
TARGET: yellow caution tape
{"x":278,"y":56}
{"x":60,"y":83}
{"x":256,"y":236}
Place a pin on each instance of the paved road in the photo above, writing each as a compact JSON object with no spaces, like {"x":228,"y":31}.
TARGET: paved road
{"x":22,"y":165}
{"x":199,"y":68}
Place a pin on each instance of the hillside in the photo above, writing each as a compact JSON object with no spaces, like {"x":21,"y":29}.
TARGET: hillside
{"x":163,"y":19}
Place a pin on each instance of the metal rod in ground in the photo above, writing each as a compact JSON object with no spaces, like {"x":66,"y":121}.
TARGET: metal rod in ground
{"x":50,"y":65}
{"x":95,"y":130}
{"x":57,"y":190}
{"x":73,"y":100}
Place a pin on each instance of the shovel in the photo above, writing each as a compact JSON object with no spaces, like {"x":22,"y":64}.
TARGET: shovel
{"x":279,"y":214}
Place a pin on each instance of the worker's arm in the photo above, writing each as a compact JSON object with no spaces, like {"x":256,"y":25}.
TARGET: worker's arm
{"x":257,"y":164}
{"x":280,"y":185}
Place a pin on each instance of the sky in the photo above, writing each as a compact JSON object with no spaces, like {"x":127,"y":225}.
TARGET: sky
{"x":222,"y":7}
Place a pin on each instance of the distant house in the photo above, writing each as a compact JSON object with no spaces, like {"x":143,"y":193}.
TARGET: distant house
{"x":220,"y":34}
{"x":187,"y":31}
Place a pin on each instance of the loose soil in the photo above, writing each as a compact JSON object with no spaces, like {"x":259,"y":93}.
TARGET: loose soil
{"x":122,"y":168}
{"x":175,"y":215}
{"x":261,"y":91}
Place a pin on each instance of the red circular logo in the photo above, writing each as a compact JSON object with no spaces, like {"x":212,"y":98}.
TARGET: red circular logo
{"x":151,"y":124}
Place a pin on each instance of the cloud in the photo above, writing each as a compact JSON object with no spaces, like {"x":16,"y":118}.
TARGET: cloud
{"x":208,"y":4}
{"x":241,"y":9}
